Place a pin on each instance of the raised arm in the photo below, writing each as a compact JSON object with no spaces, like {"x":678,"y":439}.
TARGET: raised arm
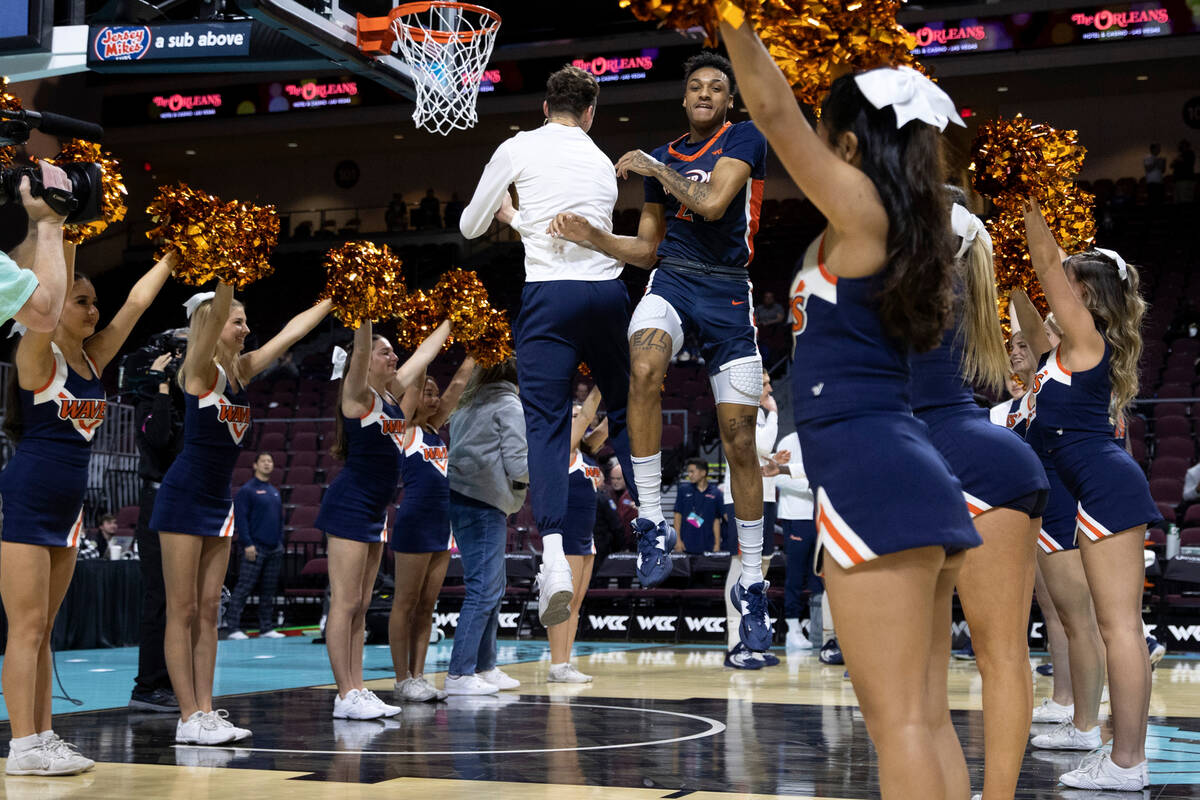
{"x":640,"y":250}
{"x":489,"y":194}
{"x":449,"y":400}
{"x":103,"y":346}
{"x":709,"y":199}
{"x":198,"y":368}
{"x":843,"y":193}
{"x":42,"y":253}
{"x":587,"y":413}
{"x":1080,"y":336}
{"x":412,"y":370}
{"x":297,"y":328}
{"x":1029,"y":321}
{"x":33,"y":359}
{"x":356,"y":397}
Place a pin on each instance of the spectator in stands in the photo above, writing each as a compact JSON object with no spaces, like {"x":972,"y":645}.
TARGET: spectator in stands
{"x":159,"y":439}
{"x":768,"y":312}
{"x":396,"y":216}
{"x":430,"y":210}
{"x":581,"y":391}
{"x":609,"y":532}
{"x":454,"y":210}
{"x":1155,"y":166}
{"x":627,"y":509}
{"x":698,"y":508}
{"x":95,"y":544}
{"x":33,"y":270}
{"x":258,"y":524}
{"x":1183,"y":170}
{"x":489,"y":475}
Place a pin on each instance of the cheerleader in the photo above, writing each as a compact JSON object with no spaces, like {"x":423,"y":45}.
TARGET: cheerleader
{"x":584,"y":479}
{"x":1005,"y":490}
{"x":891,"y":521}
{"x":420,"y":540}
{"x":1080,"y":391}
{"x":370,"y":439}
{"x":193,"y":511}
{"x":55,"y":404}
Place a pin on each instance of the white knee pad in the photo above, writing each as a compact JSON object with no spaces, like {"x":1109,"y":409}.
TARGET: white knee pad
{"x":739,"y":382}
{"x":653,"y":312}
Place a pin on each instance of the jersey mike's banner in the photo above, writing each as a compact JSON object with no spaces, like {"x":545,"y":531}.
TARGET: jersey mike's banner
{"x":152,"y":42}
{"x":1035,"y":30}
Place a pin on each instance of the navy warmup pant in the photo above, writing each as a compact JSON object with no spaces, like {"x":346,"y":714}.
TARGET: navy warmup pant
{"x":561,"y":324}
{"x":801,"y":538}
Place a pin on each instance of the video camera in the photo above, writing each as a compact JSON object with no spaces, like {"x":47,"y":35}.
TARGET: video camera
{"x":134,"y":375}
{"x":82,"y":203}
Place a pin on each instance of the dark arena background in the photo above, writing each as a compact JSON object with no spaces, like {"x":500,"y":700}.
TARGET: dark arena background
{"x":272,"y":102}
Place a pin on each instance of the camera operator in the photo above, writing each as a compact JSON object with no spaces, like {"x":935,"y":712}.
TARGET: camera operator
{"x":160,"y":438}
{"x":33,"y":269}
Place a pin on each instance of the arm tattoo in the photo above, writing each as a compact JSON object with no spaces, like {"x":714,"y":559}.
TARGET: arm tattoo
{"x":690,"y":193}
{"x":651,"y":339}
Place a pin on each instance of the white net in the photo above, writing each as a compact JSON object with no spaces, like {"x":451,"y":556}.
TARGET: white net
{"x":446,"y":45}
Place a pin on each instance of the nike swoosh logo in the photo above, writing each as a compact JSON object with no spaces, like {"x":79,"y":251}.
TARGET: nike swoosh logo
{"x":738,"y":302}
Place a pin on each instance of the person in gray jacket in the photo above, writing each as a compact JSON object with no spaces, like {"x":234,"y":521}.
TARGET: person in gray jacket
{"x":488,"y":471}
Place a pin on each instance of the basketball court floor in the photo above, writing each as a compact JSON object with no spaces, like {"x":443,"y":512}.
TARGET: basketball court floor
{"x":658,"y":722}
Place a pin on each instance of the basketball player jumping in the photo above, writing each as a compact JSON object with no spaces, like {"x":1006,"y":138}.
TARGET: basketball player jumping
{"x":703,"y":192}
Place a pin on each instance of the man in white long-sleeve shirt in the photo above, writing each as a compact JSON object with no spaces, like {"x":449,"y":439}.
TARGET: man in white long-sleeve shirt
{"x":574,"y":307}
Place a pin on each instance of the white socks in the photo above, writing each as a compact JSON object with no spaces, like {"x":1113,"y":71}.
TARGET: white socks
{"x":750,"y":542}
{"x":827,"y":630}
{"x":25,"y":743}
{"x":647,"y":477}
{"x":552,"y":547}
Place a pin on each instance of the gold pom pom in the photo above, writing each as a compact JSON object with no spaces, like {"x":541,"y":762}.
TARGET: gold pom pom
{"x":462,"y":298}
{"x":112,"y":188}
{"x":1012,"y":159}
{"x":418,"y":317}
{"x":495,"y":344}
{"x":228,"y":241}
{"x":365,"y":283}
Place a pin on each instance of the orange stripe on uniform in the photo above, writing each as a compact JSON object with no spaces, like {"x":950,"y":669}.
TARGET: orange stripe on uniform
{"x":756,"y":198}
{"x":227,"y":528}
{"x":847,"y":548}
{"x":1099,"y":533}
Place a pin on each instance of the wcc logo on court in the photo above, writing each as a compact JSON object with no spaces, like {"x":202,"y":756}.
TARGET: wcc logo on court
{"x":122,"y":43}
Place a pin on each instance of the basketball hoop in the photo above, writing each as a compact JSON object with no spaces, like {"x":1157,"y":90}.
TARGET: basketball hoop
{"x":446,"y":45}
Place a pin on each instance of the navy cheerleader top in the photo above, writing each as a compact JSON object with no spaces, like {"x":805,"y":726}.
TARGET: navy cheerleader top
{"x":60,"y":419}
{"x":844,"y":364}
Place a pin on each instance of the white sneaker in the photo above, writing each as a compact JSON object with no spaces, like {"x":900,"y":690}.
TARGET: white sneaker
{"x":222,"y":718}
{"x":440,"y":694}
{"x":47,"y":758}
{"x":496,"y":677}
{"x":271,"y":634}
{"x":565,"y":673}
{"x":238,"y":635}
{"x":202,"y":728}
{"x":469,"y":684}
{"x":371,"y":697}
{"x":1051,"y":712}
{"x":355,"y":706}
{"x":415,"y":691}
{"x":64,"y":748}
{"x":798,"y":641}
{"x":1065,"y":736}
{"x":555,"y":590}
{"x":1099,"y":772}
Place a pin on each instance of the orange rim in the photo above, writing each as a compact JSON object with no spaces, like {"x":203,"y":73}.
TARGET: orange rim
{"x":443,"y":37}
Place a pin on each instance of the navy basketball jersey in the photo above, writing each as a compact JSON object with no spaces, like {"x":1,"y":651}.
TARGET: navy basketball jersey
{"x":728,"y":241}
{"x":844,"y":364}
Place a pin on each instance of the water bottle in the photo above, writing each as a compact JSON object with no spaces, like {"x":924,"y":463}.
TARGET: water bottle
{"x":1172,"y":541}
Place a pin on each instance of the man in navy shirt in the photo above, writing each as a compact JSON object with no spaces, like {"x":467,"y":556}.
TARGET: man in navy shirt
{"x":703,"y":193}
{"x":258,"y":522}
{"x":698,"y":506}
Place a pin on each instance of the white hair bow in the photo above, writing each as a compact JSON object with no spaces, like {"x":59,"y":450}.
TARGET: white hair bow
{"x":193,"y":302}
{"x":911,"y":94}
{"x":339,"y":363}
{"x":17,"y":330}
{"x":967,"y":227}
{"x":1122,"y":270}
